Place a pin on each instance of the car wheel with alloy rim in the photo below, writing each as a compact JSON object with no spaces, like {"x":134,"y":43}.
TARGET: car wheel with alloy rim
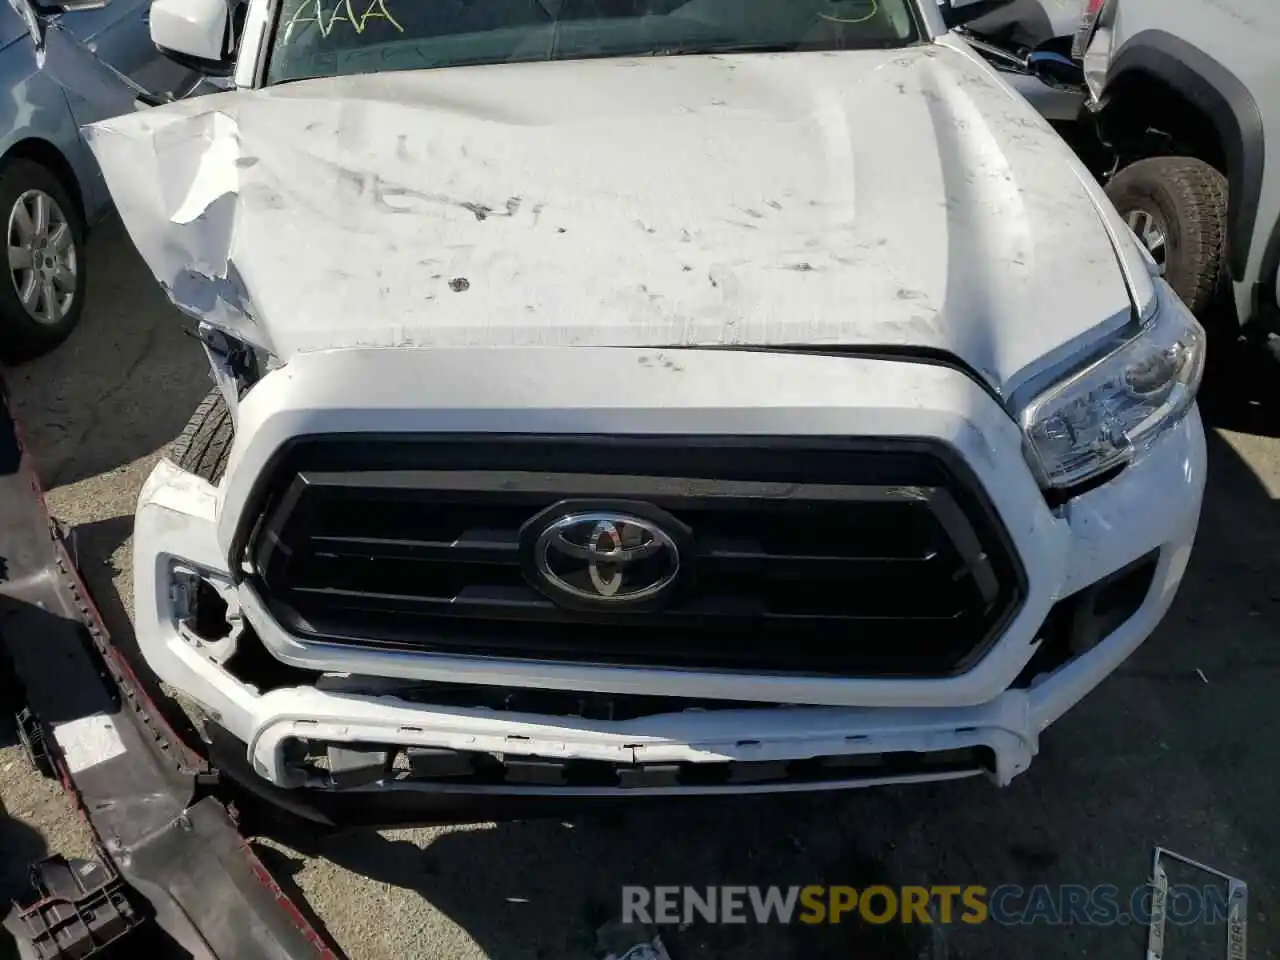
{"x":42,"y":300}
{"x":1177,"y":207}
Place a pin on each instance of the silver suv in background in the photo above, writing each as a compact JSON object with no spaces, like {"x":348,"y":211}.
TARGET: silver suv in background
{"x":1186,"y":101}
{"x":63,"y":66}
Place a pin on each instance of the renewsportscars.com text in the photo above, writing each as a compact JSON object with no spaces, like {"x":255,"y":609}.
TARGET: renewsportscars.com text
{"x":1009,"y":905}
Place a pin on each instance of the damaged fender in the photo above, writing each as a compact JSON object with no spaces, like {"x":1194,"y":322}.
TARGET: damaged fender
{"x":180,"y":170}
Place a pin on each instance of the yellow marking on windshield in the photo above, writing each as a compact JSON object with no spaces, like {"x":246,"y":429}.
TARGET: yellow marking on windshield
{"x":875,"y":8}
{"x":313,"y":11}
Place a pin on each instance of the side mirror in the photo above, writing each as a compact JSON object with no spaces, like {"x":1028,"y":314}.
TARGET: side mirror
{"x":195,"y":33}
{"x":956,"y":13}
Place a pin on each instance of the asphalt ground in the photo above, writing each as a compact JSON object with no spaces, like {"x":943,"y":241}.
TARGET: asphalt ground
{"x":1179,"y":748}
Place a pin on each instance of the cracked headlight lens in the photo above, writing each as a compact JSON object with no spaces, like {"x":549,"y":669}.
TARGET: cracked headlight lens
{"x":1115,"y":409}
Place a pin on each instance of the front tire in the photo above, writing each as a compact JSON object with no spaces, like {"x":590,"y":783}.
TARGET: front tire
{"x":205,"y":443}
{"x":43,"y":292}
{"x":1178,"y":208}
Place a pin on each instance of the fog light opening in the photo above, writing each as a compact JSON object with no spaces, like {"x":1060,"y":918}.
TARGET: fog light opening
{"x":207,"y":613}
{"x":1080,"y":622}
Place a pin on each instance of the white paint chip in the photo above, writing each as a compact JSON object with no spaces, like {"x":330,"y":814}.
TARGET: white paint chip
{"x":88,"y":741}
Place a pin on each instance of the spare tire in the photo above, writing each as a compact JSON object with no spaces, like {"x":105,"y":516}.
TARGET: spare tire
{"x":1178,"y":208}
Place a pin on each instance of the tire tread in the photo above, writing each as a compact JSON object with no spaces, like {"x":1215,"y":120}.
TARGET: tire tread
{"x":1201,"y":194}
{"x":204,"y":445}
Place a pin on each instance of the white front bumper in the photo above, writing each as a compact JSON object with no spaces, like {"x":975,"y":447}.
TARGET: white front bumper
{"x":1153,"y":505}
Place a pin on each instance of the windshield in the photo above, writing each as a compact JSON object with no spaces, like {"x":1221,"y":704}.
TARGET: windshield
{"x":325,"y":38}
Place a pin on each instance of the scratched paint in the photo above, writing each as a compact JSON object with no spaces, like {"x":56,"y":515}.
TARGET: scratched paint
{"x":881,"y":197}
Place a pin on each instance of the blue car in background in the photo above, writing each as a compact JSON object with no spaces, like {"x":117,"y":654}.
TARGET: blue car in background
{"x":62,"y":67}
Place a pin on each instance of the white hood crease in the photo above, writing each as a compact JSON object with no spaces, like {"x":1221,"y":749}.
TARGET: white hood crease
{"x":883,"y":198}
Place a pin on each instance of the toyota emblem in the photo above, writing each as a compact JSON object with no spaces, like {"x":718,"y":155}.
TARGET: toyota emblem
{"x":604,"y":558}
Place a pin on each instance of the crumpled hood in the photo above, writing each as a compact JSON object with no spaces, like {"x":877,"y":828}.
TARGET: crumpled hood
{"x":895,"y":198}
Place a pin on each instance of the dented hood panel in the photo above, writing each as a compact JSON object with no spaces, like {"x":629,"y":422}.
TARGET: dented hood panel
{"x":875,"y":198}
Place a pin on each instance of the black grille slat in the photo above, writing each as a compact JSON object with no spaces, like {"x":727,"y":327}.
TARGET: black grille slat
{"x":744,"y":551}
{"x":724,"y":562}
{"x":492,"y":601}
{"x":471,"y":601}
{"x":823,"y":556}
{"x":756,"y":644}
{"x":769,"y":588}
{"x":472,"y":546}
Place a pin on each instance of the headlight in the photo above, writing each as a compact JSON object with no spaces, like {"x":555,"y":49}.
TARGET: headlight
{"x":1113,"y":410}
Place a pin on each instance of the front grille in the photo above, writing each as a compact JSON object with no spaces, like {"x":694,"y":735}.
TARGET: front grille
{"x":827,"y":556}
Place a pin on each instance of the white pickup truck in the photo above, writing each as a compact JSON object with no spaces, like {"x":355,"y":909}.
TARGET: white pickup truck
{"x":643,"y":397}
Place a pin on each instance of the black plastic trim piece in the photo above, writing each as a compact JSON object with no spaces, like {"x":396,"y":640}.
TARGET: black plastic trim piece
{"x":80,"y":909}
{"x":395,"y":768}
{"x":1057,"y":496}
{"x":395,"y":803}
{"x":31,"y":736}
{"x":894,"y":353}
{"x":1220,"y":96}
{"x":143,"y":797}
{"x":1075,"y":624}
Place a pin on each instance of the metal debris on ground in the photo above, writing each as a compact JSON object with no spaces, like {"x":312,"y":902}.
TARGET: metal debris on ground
{"x":1237,"y":905}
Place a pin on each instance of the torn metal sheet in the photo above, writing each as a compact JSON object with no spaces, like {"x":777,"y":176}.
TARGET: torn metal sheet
{"x":1237,"y":906}
{"x":900,"y":198}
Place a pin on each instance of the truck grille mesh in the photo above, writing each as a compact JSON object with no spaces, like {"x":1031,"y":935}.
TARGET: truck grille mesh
{"x":822,"y":556}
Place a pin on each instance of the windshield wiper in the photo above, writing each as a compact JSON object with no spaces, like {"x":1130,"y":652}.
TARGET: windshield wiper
{"x":684,"y":49}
